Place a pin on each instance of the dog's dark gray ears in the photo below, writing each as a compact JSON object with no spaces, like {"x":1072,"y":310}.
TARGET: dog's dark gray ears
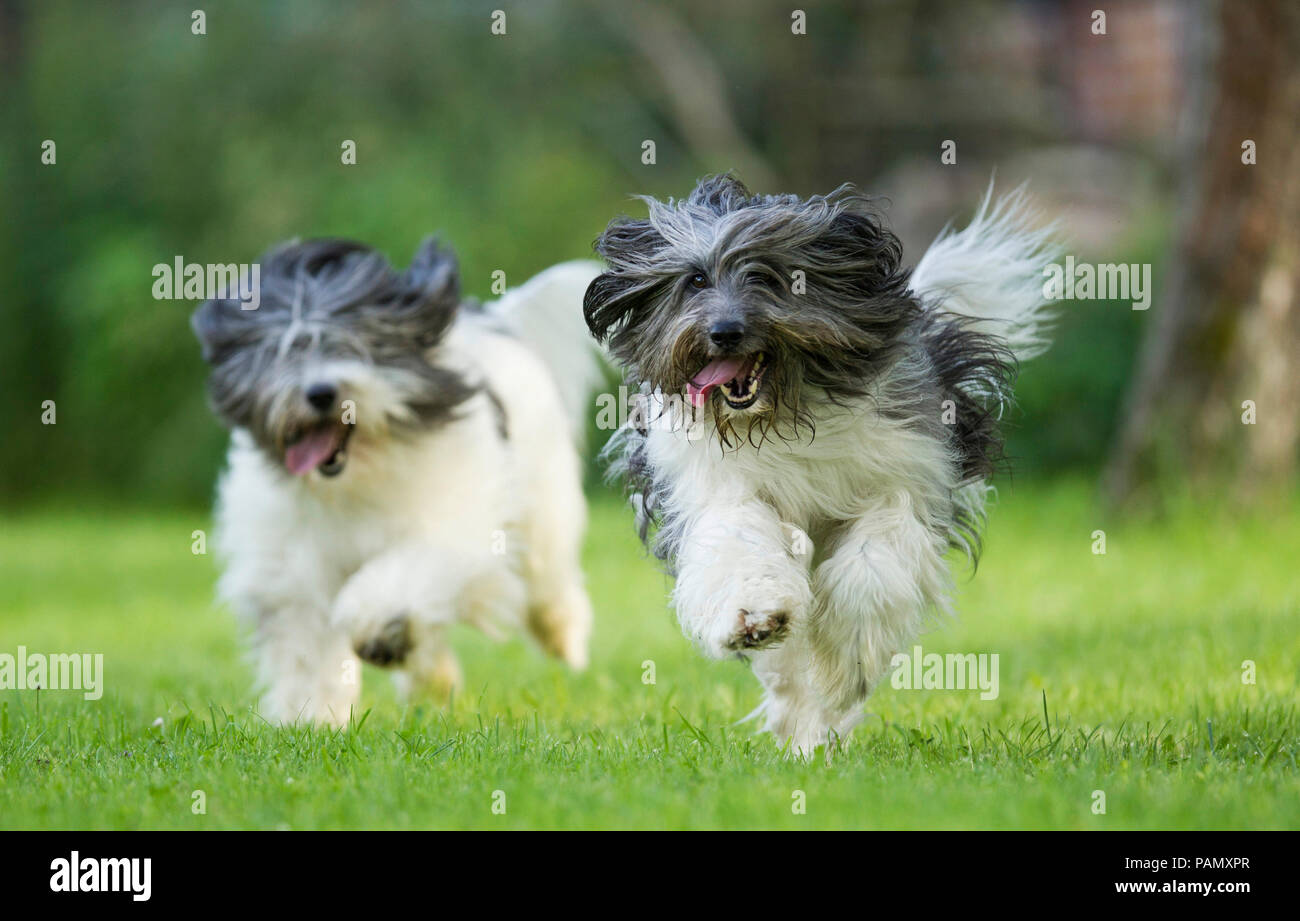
{"x":601,"y":306}
{"x":428,"y":296}
{"x":434,"y":271}
{"x":858,"y":241}
{"x":626,"y":239}
{"x":615,"y":295}
{"x":205,"y":325}
{"x":219,"y":324}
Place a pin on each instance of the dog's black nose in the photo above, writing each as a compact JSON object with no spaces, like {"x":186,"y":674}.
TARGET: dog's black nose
{"x":321,"y":396}
{"x":726,"y":334}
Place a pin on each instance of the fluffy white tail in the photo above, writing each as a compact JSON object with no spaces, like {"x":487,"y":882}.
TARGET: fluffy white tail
{"x":992,"y":271}
{"x":546,"y":313}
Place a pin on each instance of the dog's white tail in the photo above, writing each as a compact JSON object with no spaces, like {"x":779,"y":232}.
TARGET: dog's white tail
{"x":992,"y":271}
{"x":546,"y":313}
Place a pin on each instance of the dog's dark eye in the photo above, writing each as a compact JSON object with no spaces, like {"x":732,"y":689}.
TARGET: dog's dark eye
{"x":698,"y":281}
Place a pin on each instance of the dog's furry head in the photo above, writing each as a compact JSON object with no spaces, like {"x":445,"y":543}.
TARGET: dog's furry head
{"x":768,"y":299}
{"x":341,"y":345}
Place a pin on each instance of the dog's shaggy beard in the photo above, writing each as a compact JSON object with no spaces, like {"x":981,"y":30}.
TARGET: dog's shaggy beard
{"x":336,"y":324}
{"x":817,"y":288}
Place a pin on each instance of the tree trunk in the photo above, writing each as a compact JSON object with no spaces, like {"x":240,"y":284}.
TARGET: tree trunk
{"x":1226,"y":327}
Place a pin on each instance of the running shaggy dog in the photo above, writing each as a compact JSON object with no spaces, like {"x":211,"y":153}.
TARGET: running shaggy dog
{"x":401,"y":460}
{"x":822,"y":423}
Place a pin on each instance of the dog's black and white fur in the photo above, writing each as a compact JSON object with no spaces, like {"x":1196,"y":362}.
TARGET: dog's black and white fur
{"x":839,"y":426}
{"x":400,"y":461}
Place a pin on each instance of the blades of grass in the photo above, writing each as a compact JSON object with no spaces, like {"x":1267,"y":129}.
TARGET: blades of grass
{"x":694,"y":731}
{"x":1276,"y":747}
{"x":1254,"y":744}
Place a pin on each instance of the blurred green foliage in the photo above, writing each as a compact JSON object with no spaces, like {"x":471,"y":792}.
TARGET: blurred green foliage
{"x":518,"y":150}
{"x":1069,"y":399}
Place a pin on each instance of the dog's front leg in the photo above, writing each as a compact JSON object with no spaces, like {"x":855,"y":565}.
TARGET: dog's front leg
{"x":306,"y":669}
{"x":410,"y":592}
{"x":739,"y":585}
{"x":884,"y":570}
{"x":881,"y":571}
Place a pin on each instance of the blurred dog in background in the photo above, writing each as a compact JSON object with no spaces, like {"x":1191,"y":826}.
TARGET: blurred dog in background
{"x":401,"y":460}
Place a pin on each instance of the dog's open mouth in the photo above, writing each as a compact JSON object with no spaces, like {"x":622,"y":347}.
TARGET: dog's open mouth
{"x":738,"y":378}
{"x":321,"y":447}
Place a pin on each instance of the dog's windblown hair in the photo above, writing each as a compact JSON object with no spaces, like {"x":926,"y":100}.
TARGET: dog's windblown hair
{"x":401,"y":460}
{"x":838,"y":428}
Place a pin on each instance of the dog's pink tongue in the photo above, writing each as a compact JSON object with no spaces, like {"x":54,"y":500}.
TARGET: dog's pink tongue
{"x":311,"y":451}
{"x":710,"y":376}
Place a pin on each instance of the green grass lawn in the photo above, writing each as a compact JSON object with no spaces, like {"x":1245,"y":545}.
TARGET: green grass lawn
{"x":1136,"y":657}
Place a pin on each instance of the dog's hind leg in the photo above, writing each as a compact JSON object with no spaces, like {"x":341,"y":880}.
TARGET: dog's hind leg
{"x":558,"y":610}
{"x":562,"y":623}
{"x":431,"y":670}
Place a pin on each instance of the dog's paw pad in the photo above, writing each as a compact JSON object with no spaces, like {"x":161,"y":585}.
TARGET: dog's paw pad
{"x":754,"y":631}
{"x":389,"y":646}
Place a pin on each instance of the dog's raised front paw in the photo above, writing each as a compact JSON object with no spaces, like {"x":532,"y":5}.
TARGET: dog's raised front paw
{"x":749,"y":621}
{"x":389,"y":645}
{"x":756,"y":629}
